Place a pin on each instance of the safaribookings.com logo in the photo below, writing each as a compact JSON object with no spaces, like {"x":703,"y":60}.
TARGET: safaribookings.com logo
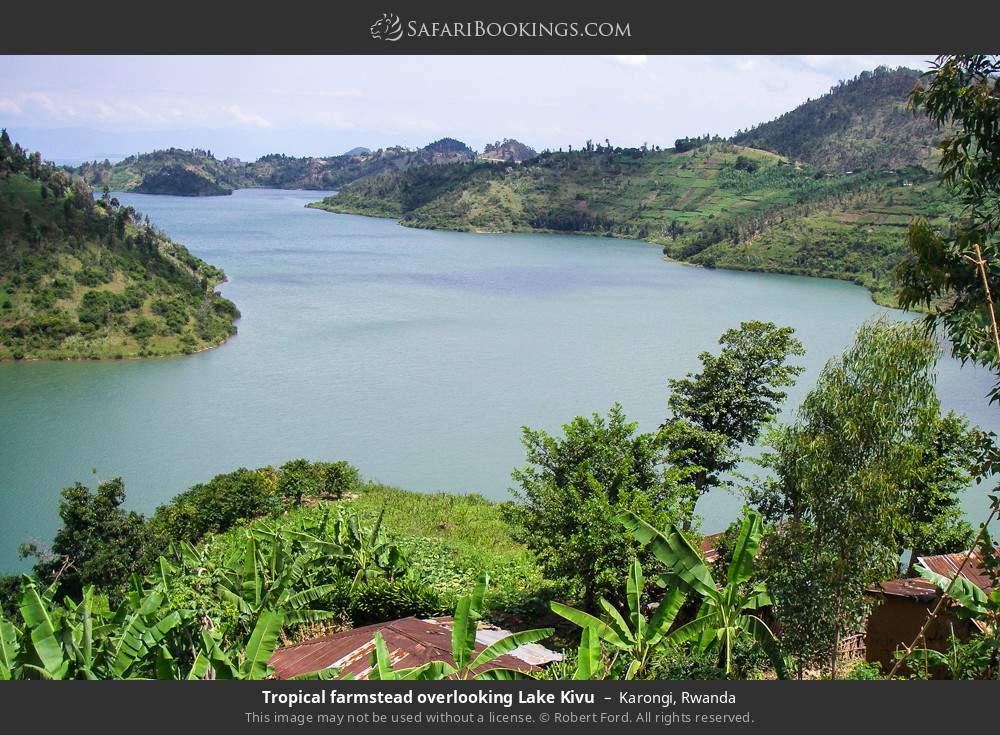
{"x":390,"y":28}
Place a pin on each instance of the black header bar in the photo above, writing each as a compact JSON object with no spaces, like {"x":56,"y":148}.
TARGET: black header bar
{"x":510,"y":27}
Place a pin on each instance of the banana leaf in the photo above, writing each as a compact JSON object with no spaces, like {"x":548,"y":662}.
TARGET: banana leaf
{"x":261,"y":645}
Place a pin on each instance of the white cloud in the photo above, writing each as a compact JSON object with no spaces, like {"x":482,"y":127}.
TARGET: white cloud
{"x":246,"y":119}
{"x":9,"y":106}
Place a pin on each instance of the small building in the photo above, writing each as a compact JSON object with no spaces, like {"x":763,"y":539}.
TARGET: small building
{"x":410,"y":641}
{"x":902,"y":607}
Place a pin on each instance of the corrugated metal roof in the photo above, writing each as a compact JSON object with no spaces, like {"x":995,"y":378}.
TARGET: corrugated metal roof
{"x":948,"y":564}
{"x":710,"y":547}
{"x":410,"y":641}
{"x":917,"y":589}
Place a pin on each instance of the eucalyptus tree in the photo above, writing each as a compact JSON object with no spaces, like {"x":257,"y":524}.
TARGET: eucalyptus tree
{"x":842,"y":476}
{"x":944,"y":272}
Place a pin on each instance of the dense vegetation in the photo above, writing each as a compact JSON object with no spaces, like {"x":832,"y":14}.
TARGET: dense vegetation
{"x":214,"y":580}
{"x":199,"y":173}
{"x":861,"y":124}
{"x":90,"y":279}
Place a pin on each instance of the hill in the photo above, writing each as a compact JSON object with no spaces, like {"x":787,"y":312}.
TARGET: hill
{"x":90,"y":279}
{"x":860,"y":124}
{"x":508,"y":150}
{"x":716,"y":204}
{"x":199,"y":173}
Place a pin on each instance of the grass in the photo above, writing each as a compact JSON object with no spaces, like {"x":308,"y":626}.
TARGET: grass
{"x":449,"y":540}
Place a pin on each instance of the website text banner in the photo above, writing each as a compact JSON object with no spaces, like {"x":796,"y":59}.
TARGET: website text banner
{"x":472,"y":706}
{"x":514,"y":27}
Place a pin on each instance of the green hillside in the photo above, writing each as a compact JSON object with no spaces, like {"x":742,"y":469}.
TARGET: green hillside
{"x":717,"y":204}
{"x":860,"y":124}
{"x":90,"y":279}
{"x":199,"y":173}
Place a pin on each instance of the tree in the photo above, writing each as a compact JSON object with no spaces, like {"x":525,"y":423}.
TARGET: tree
{"x":575,"y":485}
{"x":99,"y":543}
{"x":843,"y":474}
{"x":297,"y":479}
{"x":941,"y":272}
{"x":931,"y":517}
{"x":720,"y":409}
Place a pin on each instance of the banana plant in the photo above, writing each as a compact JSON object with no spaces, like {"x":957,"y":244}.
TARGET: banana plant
{"x":465,"y":664}
{"x":590,"y":656}
{"x":261,"y":577}
{"x":728,"y":612}
{"x":84,"y":640}
{"x":634,"y":637}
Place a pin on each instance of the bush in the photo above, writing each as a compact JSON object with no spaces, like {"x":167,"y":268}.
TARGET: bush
{"x":215,"y":506}
{"x":381,"y":599}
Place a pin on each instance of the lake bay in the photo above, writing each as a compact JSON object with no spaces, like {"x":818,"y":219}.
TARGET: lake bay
{"x":416,"y":355}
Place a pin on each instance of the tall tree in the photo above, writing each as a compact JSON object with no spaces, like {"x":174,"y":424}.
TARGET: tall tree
{"x":840,"y":475}
{"x":941,"y":272}
{"x":715,"y":412}
{"x":575,"y":485}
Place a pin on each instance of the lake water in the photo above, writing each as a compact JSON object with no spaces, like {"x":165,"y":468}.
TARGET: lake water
{"x":416,"y":355}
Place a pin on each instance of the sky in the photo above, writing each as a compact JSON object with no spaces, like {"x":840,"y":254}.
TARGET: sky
{"x":76,"y":108}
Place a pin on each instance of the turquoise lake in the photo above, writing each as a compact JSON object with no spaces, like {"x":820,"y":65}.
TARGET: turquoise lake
{"x":416,"y":355}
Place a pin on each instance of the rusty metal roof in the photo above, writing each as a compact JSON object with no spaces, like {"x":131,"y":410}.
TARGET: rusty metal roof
{"x":410,"y":641}
{"x":918,"y":589}
{"x":948,"y":564}
{"x":710,"y":547}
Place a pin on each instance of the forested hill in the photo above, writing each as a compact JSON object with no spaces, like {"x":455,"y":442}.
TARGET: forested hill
{"x":90,"y":279}
{"x":860,"y":124}
{"x":199,"y":173}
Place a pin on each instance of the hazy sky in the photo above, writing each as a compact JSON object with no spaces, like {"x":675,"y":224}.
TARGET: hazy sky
{"x":83,"y":107}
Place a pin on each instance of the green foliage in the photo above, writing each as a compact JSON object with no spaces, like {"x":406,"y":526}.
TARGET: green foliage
{"x":942,"y":272}
{"x":722,"y":408}
{"x":634,"y":637}
{"x":90,"y":279}
{"x":845,"y":475}
{"x":224,"y":501}
{"x":573,"y":488}
{"x":99,"y":543}
{"x":861,"y":123}
{"x":729,"y":612}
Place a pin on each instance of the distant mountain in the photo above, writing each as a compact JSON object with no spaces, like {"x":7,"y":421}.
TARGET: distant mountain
{"x":509,"y":150}
{"x":84,"y":279}
{"x":860,"y":124}
{"x":198,"y":173}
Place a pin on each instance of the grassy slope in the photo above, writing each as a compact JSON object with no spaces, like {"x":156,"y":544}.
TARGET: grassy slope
{"x":161,"y":297}
{"x":449,"y":540}
{"x":719,"y":205}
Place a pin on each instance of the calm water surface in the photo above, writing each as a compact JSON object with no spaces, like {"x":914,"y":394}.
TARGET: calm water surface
{"x":416,"y":355}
